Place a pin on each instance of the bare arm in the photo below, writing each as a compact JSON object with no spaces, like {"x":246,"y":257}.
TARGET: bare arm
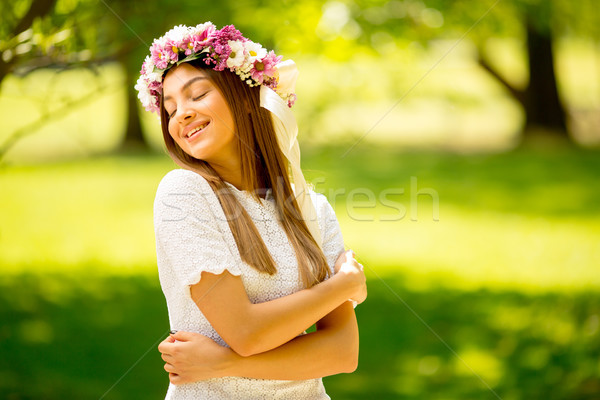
{"x":255,"y":328}
{"x":188,"y":234}
{"x":332,"y":349}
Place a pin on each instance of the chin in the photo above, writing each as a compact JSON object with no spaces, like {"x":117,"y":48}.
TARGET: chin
{"x":197,"y":155}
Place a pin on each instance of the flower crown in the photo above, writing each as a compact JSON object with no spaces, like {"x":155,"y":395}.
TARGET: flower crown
{"x":224,"y":48}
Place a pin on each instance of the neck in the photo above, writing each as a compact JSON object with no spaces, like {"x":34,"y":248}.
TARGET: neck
{"x":235,"y":178}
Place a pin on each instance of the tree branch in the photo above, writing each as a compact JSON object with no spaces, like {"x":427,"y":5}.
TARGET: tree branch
{"x":48,"y":116}
{"x":38,"y":8}
{"x":518,"y":94}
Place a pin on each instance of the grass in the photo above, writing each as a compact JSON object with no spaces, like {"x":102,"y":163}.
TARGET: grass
{"x":499,"y":216}
{"x":94,"y":335}
{"x":500,"y":293}
{"x":483,"y":268}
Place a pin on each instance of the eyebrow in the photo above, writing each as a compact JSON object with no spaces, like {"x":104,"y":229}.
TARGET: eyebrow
{"x":187,"y":85}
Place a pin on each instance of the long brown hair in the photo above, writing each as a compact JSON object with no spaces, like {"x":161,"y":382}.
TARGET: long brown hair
{"x":262,"y":163}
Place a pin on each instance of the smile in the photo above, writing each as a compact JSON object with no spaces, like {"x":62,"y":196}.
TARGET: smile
{"x":196,"y":130}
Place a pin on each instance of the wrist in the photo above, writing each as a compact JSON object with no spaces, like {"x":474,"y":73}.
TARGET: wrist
{"x":231,"y":364}
{"x":340,"y":286}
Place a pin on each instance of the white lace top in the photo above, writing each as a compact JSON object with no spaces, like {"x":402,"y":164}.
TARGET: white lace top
{"x":192,"y":235}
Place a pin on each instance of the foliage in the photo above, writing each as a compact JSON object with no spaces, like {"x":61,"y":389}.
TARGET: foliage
{"x":83,"y":311}
{"x":95,"y":336}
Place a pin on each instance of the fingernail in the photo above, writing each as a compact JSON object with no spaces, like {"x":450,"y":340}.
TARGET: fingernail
{"x":173,"y":332}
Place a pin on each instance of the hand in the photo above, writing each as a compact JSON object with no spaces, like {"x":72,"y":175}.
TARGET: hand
{"x":191,"y":357}
{"x":352,"y":272}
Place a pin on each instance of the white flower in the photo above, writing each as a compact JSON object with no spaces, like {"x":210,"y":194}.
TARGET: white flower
{"x":161,"y":41}
{"x":148,"y":66}
{"x":236,"y":58}
{"x":177,"y":33}
{"x":143,"y":92}
{"x":198,"y":29}
{"x":148,"y":71}
{"x":255,"y":51}
{"x":154,"y":77}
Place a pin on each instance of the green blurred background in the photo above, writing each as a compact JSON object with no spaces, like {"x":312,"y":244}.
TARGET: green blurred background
{"x":457,"y":141}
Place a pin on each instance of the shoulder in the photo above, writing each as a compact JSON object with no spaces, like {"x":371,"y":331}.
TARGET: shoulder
{"x":182,"y":179}
{"x":186,"y":183}
{"x":182,"y":193}
{"x":323,"y":207}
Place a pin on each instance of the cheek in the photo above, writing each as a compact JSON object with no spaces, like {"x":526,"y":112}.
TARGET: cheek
{"x":172,"y":128}
{"x":226,"y":116}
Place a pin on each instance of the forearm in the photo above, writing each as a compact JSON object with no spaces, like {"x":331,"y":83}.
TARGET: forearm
{"x":332,"y":349}
{"x":255,"y":328}
{"x":276,"y":322}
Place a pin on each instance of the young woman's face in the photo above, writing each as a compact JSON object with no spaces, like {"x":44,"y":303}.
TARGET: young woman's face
{"x":200,"y":120}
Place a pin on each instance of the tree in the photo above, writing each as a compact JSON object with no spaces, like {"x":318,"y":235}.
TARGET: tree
{"x":536,"y":22}
{"x":85,"y":33}
{"x":17,"y":34}
{"x":55,"y":34}
{"x":540,"y":98}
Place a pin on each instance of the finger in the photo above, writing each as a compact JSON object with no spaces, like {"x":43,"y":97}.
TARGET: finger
{"x":168,"y":339}
{"x":183,"y":336}
{"x":169,"y":368}
{"x":168,"y":358}
{"x":166,"y":347}
{"x":174,"y":379}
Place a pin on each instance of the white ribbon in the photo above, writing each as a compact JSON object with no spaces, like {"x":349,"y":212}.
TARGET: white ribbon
{"x":286,"y":130}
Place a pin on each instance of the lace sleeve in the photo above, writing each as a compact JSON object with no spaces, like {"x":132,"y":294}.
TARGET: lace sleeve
{"x":333,"y":241}
{"x":188,"y":238}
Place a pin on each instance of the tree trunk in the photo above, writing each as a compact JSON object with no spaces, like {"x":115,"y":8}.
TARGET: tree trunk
{"x":134,"y":138}
{"x":543,"y":108}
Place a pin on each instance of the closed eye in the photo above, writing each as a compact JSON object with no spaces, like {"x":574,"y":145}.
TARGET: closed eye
{"x":195,"y":99}
{"x":201,"y":96}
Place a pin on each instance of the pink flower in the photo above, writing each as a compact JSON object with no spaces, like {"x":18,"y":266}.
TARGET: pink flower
{"x":143,"y":70}
{"x":219,"y":49}
{"x":265,"y":68}
{"x":270,"y":61}
{"x":221,"y":54}
{"x":291,"y":100}
{"x":228,"y":33}
{"x":220,"y":46}
{"x":188,"y":44}
{"x":194,"y":43}
{"x":172,"y":50}
{"x":208,"y":32}
{"x":159,"y":58}
{"x":156,"y":86}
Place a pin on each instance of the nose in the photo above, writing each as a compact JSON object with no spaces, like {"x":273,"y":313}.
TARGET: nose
{"x":186,"y":114}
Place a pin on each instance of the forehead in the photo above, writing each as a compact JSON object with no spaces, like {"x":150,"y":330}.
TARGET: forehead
{"x":176,"y":78}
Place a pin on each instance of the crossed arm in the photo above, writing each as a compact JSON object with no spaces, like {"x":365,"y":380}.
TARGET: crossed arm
{"x":264,"y":337}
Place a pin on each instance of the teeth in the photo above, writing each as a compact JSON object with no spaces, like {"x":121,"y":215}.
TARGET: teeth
{"x":190,"y":133}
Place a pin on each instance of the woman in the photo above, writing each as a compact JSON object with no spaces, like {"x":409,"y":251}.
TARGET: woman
{"x":247,"y":260}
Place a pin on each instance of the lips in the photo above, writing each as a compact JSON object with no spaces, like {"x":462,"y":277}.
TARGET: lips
{"x":191,"y":132}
